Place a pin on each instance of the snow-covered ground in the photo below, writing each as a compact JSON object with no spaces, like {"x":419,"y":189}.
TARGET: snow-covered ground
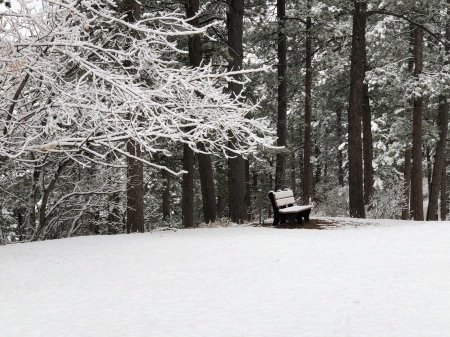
{"x":391,"y":279}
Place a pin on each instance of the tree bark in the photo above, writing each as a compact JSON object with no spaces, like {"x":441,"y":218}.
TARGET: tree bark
{"x":407,"y":183}
{"x":356,"y":192}
{"x":439,"y":160}
{"x":367,"y":145}
{"x":187,"y":188}
{"x":280,"y":169}
{"x":406,"y":215}
{"x":429,"y":167}
{"x":248,"y":201}
{"x":166,"y":196}
{"x":32,"y":196}
{"x":340,"y":156}
{"x":135,"y":189}
{"x":204,"y":160}
{"x":438,"y":180}
{"x":207,"y":187}
{"x":444,"y":208}
{"x":135,"y":168}
{"x":308,"y":107}
{"x":416,"y":171}
{"x":236,"y":164}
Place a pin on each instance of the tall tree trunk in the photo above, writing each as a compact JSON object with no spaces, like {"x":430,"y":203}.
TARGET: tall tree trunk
{"x":135,"y":189}
{"x":32,"y":196}
{"x":406,"y":215}
{"x":416,"y":171}
{"x":438,"y":181}
{"x":135,"y":168}
{"x":407,"y":183}
{"x":308,"y":106}
{"x":356,"y":192}
{"x":166,"y":196}
{"x":367,"y":145}
{"x":444,"y":209}
{"x":429,"y":167}
{"x":207,"y":187}
{"x":204,"y":160}
{"x":280,"y":170}
{"x":236,"y":164}
{"x":340,"y":156}
{"x":187,"y":188}
{"x":187,"y":185}
{"x":248,"y":201}
{"x":439,"y":160}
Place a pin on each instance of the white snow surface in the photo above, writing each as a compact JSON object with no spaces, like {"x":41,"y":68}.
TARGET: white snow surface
{"x":386,"y":278}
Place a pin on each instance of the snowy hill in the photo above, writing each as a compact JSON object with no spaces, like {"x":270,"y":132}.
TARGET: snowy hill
{"x":376,"y":280}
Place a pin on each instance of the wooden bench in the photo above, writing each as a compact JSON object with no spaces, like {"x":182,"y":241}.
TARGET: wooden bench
{"x":284,"y":208}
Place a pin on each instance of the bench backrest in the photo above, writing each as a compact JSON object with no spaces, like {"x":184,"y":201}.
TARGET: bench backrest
{"x":283,"y":198}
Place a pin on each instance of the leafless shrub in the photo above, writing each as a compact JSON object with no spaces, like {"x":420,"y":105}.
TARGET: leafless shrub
{"x":223,"y":222}
{"x":387,"y":202}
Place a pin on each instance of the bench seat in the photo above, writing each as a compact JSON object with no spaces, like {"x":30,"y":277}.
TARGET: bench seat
{"x":294,"y":209}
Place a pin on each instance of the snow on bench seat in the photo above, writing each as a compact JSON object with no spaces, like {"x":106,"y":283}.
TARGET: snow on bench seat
{"x":294,"y":209}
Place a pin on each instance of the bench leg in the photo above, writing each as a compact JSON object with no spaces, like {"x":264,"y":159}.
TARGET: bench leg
{"x":276,"y":219}
{"x":306,"y":214}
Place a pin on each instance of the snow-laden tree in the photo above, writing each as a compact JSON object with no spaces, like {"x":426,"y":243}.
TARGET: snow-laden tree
{"x":79,"y":79}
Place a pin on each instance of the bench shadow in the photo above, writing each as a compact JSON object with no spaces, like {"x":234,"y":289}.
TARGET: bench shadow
{"x":311,"y":224}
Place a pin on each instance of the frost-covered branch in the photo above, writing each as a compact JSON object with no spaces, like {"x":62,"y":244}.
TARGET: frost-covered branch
{"x":74,"y":80}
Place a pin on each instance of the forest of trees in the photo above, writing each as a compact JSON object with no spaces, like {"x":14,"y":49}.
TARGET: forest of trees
{"x":120,"y":117}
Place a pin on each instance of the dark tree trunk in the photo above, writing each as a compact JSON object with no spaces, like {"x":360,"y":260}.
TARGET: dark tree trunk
{"x":204,"y":160}
{"x":248,"y":201}
{"x":135,"y":168}
{"x":407,"y":183}
{"x":236,"y":165}
{"x":135,"y":189}
{"x":438,"y":181}
{"x":439,"y":160}
{"x":406,"y":215}
{"x":308,"y":106}
{"x":187,"y":187}
{"x":429,"y":167}
{"x":280,"y":170}
{"x":207,"y":187}
{"x":367,"y":145}
{"x":416,"y":170}
{"x":358,"y":66}
{"x":340,"y":156}
{"x":444,"y":209}
{"x":166,"y":196}
{"x":32,"y":196}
